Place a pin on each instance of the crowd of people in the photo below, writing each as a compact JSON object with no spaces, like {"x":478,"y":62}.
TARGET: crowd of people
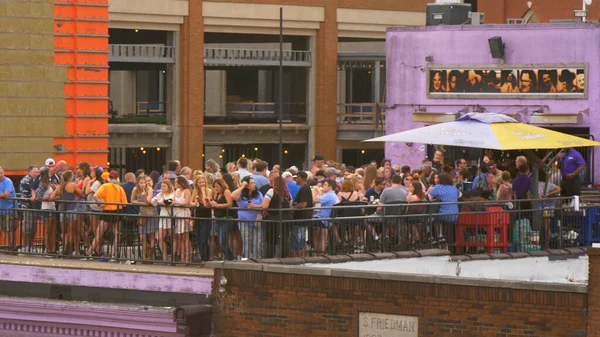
{"x":237,"y":208}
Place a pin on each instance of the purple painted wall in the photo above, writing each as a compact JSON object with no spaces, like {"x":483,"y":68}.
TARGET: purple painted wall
{"x":407,"y":48}
{"x":194,"y":284}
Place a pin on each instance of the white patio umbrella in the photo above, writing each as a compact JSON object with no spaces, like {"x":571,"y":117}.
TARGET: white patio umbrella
{"x":488,"y":131}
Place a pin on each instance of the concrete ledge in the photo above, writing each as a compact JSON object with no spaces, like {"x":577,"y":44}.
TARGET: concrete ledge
{"x":456,"y":258}
{"x":285,"y":269}
{"x":479,"y":257}
{"x":316,"y":259}
{"x":576,"y":251}
{"x":269,"y":261}
{"x":338,"y":258}
{"x":539,"y":253}
{"x":293,"y":261}
{"x":246,"y":265}
{"x":501,"y":256}
{"x":557,"y":252}
{"x":407,"y":254}
{"x":519,"y":255}
{"x":363,"y":257}
{"x":384,"y":256}
{"x":433,"y":252}
{"x":540,"y":286}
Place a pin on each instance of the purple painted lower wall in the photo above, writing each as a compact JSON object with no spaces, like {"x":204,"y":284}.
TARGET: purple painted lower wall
{"x":106,"y":279}
{"x":44,"y":318}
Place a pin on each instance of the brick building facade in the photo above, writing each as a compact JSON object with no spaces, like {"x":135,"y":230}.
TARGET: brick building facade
{"x":500,"y":11}
{"x":326,"y":72}
{"x":279,"y":300}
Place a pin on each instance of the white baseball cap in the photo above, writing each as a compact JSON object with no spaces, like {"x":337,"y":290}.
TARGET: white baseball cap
{"x":49,"y":161}
{"x":286,"y":175}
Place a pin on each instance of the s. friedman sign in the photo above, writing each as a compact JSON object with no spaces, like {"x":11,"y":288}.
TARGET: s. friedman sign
{"x":384,"y":325}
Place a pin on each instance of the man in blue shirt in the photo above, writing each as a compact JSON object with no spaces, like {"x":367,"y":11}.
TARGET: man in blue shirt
{"x":327,"y":198}
{"x":242,"y":164}
{"x":571,"y":165}
{"x":260,"y":176}
{"x":8,"y":222}
{"x":29,"y":218}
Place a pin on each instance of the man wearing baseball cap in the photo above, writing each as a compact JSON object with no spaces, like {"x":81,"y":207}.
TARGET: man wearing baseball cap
{"x":54,"y":178}
{"x":112,"y":195}
{"x":291,"y":184}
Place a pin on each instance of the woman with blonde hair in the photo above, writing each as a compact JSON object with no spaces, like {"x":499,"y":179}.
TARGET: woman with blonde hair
{"x":142,"y":196}
{"x":183,"y":225}
{"x":230,"y":167}
{"x":201,"y":197}
{"x":164,"y":199}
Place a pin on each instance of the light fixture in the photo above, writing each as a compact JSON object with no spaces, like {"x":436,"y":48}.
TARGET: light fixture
{"x":243,"y":155}
{"x":107,"y":163}
{"x":158,"y":149}
{"x":142,"y":148}
{"x":144,"y":152}
{"x":220,"y":156}
{"x":223,"y":150}
{"x":203,"y":155}
{"x":221,"y":290}
{"x":223,"y":281}
{"x":137,"y":30}
{"x":255,"y":149}
{"x":362,"y":151}
{"x":286,"y":151}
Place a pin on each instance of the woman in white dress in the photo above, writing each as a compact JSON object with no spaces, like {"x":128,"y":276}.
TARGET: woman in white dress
{"x":164,"y":199}
{"x":183,"y":224}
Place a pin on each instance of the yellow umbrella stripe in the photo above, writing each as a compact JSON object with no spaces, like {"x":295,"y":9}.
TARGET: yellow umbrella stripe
{"x":519,"y":136}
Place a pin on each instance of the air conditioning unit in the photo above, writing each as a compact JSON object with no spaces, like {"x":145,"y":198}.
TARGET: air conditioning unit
{"x":447,"y":14}
{"x":477,"y":18}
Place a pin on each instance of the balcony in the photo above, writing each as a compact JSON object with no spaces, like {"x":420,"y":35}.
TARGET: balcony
{"x":358,"y":121}
{"x":216,"y":57}
{"x":369,"y":114}
{"x":257,"y":113}
{"x":146,"y":113}
{"x":142,"y":53}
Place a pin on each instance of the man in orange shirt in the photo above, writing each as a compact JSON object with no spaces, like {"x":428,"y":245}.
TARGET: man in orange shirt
{"x":112,"y":197}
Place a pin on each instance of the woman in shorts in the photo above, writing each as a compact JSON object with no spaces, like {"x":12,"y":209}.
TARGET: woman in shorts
{"x":66,"y":192}
{"x":183,"y":224}
{"x":45,"y":194}
{"x":142,"y":196}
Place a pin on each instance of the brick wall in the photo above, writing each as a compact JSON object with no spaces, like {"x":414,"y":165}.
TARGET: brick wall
{"x":32,"y":103}
{"x":192,"y":70}
{"x":593,"y":326}
{"x":497,"y":11}
{"x":259,"y":303}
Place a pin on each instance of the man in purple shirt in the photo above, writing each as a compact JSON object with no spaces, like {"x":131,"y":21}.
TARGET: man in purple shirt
{"x":571,"y":165}
{"x":522,"y":187}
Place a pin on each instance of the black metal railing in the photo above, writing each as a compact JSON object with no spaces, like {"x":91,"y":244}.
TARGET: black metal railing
{"x":178,"y":236}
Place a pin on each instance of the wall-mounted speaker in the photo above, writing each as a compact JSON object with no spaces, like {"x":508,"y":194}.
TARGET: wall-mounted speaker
{"x":496,"y":47}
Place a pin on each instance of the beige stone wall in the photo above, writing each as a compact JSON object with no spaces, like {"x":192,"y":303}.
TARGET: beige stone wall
{"x":32,"y":104}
